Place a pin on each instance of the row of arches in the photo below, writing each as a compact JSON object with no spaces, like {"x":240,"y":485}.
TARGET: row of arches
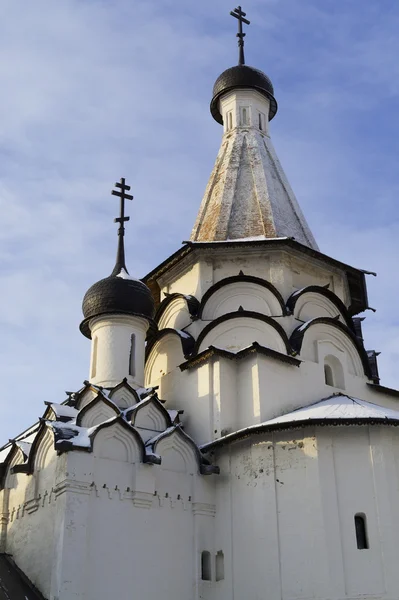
{"x":253,"y":294}
{"x":235,"y":331}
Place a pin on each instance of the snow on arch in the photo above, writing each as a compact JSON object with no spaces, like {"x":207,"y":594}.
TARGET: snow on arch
{"x":241,"y":329}
{"x":150,"y":417}
{"x":123,"y":395}
{"x":116,"y":440}
{"x":177,"y":451}
{"x":251,"y":293}
{"x":173,"y":313}
{"x":165,"y":353}
{"x":319,"y":337}
{"x":15,"y":457}
{"x":100,"y":409}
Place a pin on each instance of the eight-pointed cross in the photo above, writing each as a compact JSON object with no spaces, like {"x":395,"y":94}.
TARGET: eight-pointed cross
{"x":123,"y":196}
{"x":239,"y":15}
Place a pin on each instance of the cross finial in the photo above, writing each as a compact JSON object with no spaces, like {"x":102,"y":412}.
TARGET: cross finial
{"x":239,"y":15}
{"x":120,"y":255}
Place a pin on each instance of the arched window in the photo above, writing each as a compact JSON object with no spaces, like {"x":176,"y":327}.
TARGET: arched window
{"x":206,"y":570}
{"x":132,"y":370}
{"x":361,"y":532}
{"x":244,"y":116}
{"x":333,"y":372}
{"x":328,"y":375}
{"x":94,"y":358}
{"x":219,"y":565}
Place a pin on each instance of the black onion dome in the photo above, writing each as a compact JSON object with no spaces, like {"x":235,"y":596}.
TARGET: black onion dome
{"x":242,"y":76}
{"x":116,"y":295}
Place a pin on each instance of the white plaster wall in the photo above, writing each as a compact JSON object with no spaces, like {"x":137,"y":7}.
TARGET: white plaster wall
{"x":285,"y":514}
{"x":111,"y":348}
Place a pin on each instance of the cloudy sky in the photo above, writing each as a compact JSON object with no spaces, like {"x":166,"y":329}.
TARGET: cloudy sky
{"x":92,"y":90}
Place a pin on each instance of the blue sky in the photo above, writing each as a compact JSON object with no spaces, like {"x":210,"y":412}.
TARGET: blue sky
{"x":95,"y":90}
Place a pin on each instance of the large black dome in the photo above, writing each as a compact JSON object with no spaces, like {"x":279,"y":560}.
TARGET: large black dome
{"x":242,"y":76}
{"x":116,"y":294}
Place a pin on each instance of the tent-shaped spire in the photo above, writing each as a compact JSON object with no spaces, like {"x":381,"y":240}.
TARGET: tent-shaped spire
{"x":248,"y":194}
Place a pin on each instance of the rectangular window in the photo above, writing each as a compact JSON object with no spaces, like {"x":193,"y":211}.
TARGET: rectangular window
{"x":361,"y":532}
{"x":206,"y":573}
{"x":262,"y":121}
{"x":94,"y":358}
{"x":244,"y":116}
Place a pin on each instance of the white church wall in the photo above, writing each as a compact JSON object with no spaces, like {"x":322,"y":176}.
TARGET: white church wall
{"x":176,"y":315}
{"x":286,"y":504}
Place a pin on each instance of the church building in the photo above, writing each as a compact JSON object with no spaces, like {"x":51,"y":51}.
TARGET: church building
{"x":232,"y":439}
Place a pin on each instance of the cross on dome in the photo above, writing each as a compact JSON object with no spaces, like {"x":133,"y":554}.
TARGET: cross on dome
{"x":238,"y":14}
{"x":121,"y":193}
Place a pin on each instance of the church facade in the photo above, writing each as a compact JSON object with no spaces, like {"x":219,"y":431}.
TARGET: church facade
{"x":232,"y":439}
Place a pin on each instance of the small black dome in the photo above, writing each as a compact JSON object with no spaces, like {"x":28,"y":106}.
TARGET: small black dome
{"x":116,"y":294}
{"x":242,"y":76}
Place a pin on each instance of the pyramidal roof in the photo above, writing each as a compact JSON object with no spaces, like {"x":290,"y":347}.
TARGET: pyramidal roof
{"x":248,"y":194}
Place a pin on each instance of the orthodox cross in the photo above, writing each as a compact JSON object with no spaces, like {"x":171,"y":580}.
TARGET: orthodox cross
{"x":239,"y":15}
{"x":121,"y":193}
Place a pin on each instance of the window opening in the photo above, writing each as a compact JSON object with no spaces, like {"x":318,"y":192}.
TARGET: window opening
{"x":229,"y":121}
{"x":132,"y":371}
{"x":361,"y":532}
{"x":219,"y":565}
{"x":94,"y":358}
{"x":244,"y":116}
{"x":206,"y":566}
{"x":328,"y":375}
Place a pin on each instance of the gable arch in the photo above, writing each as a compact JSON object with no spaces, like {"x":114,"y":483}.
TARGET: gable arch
{"x":149,"y":414}
{"x":116,"y":440}
{"x":252,"y":293}
{"x":314,"y":301}
{"x":241,"y":329}
{"x":334,"y":333}
{"x":100,"y":409}
{"x":15,"y":457}
{"x":123,"y":395}
{"x":177,"y":450}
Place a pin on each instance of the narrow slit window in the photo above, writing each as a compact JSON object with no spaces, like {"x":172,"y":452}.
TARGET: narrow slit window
{"x":328,"y":375}
{"x":132,"y":370}
{"x":244,"y":117}
{"x":361,"y":532}
{"x":206,"y":572}
{"x":229,"y":121}
{"x":94,"y":358}
{"x":219,"y":565}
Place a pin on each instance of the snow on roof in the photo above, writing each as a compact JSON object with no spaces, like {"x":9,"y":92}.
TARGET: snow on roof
{"x":62,"y":410}
{"x":337,"y":407}
{"x":123,"y":274}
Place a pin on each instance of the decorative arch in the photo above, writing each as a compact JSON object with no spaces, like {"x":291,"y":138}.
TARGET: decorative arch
{"x":334,"y":372}
{"x":123,"y":395}
{"x":264,"y":297}
{"x":338,"y":333}
{"x":100,"y":409}
{"x":16,"y":456}
{"x":129,"y":446}
{"x":269,"y":332}
{"x":179,"y":306}
{"x":322,"y":297}
{"x":149,"y":414}
{"x":177,"y":440}
{"x":166,"y":353}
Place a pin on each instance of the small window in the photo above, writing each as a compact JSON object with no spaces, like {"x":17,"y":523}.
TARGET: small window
{"x":361,"y":532}
{"x":229,"y":120}
{"x":132,"y":370}
{"x":328,"y":375}
{"x":244,"y":116}
{"x":219,"y":565}
{"x":262,"y":122}
{"x":206,"y":571}
{"x":94,"y":358}
{"x":334,"y":372}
